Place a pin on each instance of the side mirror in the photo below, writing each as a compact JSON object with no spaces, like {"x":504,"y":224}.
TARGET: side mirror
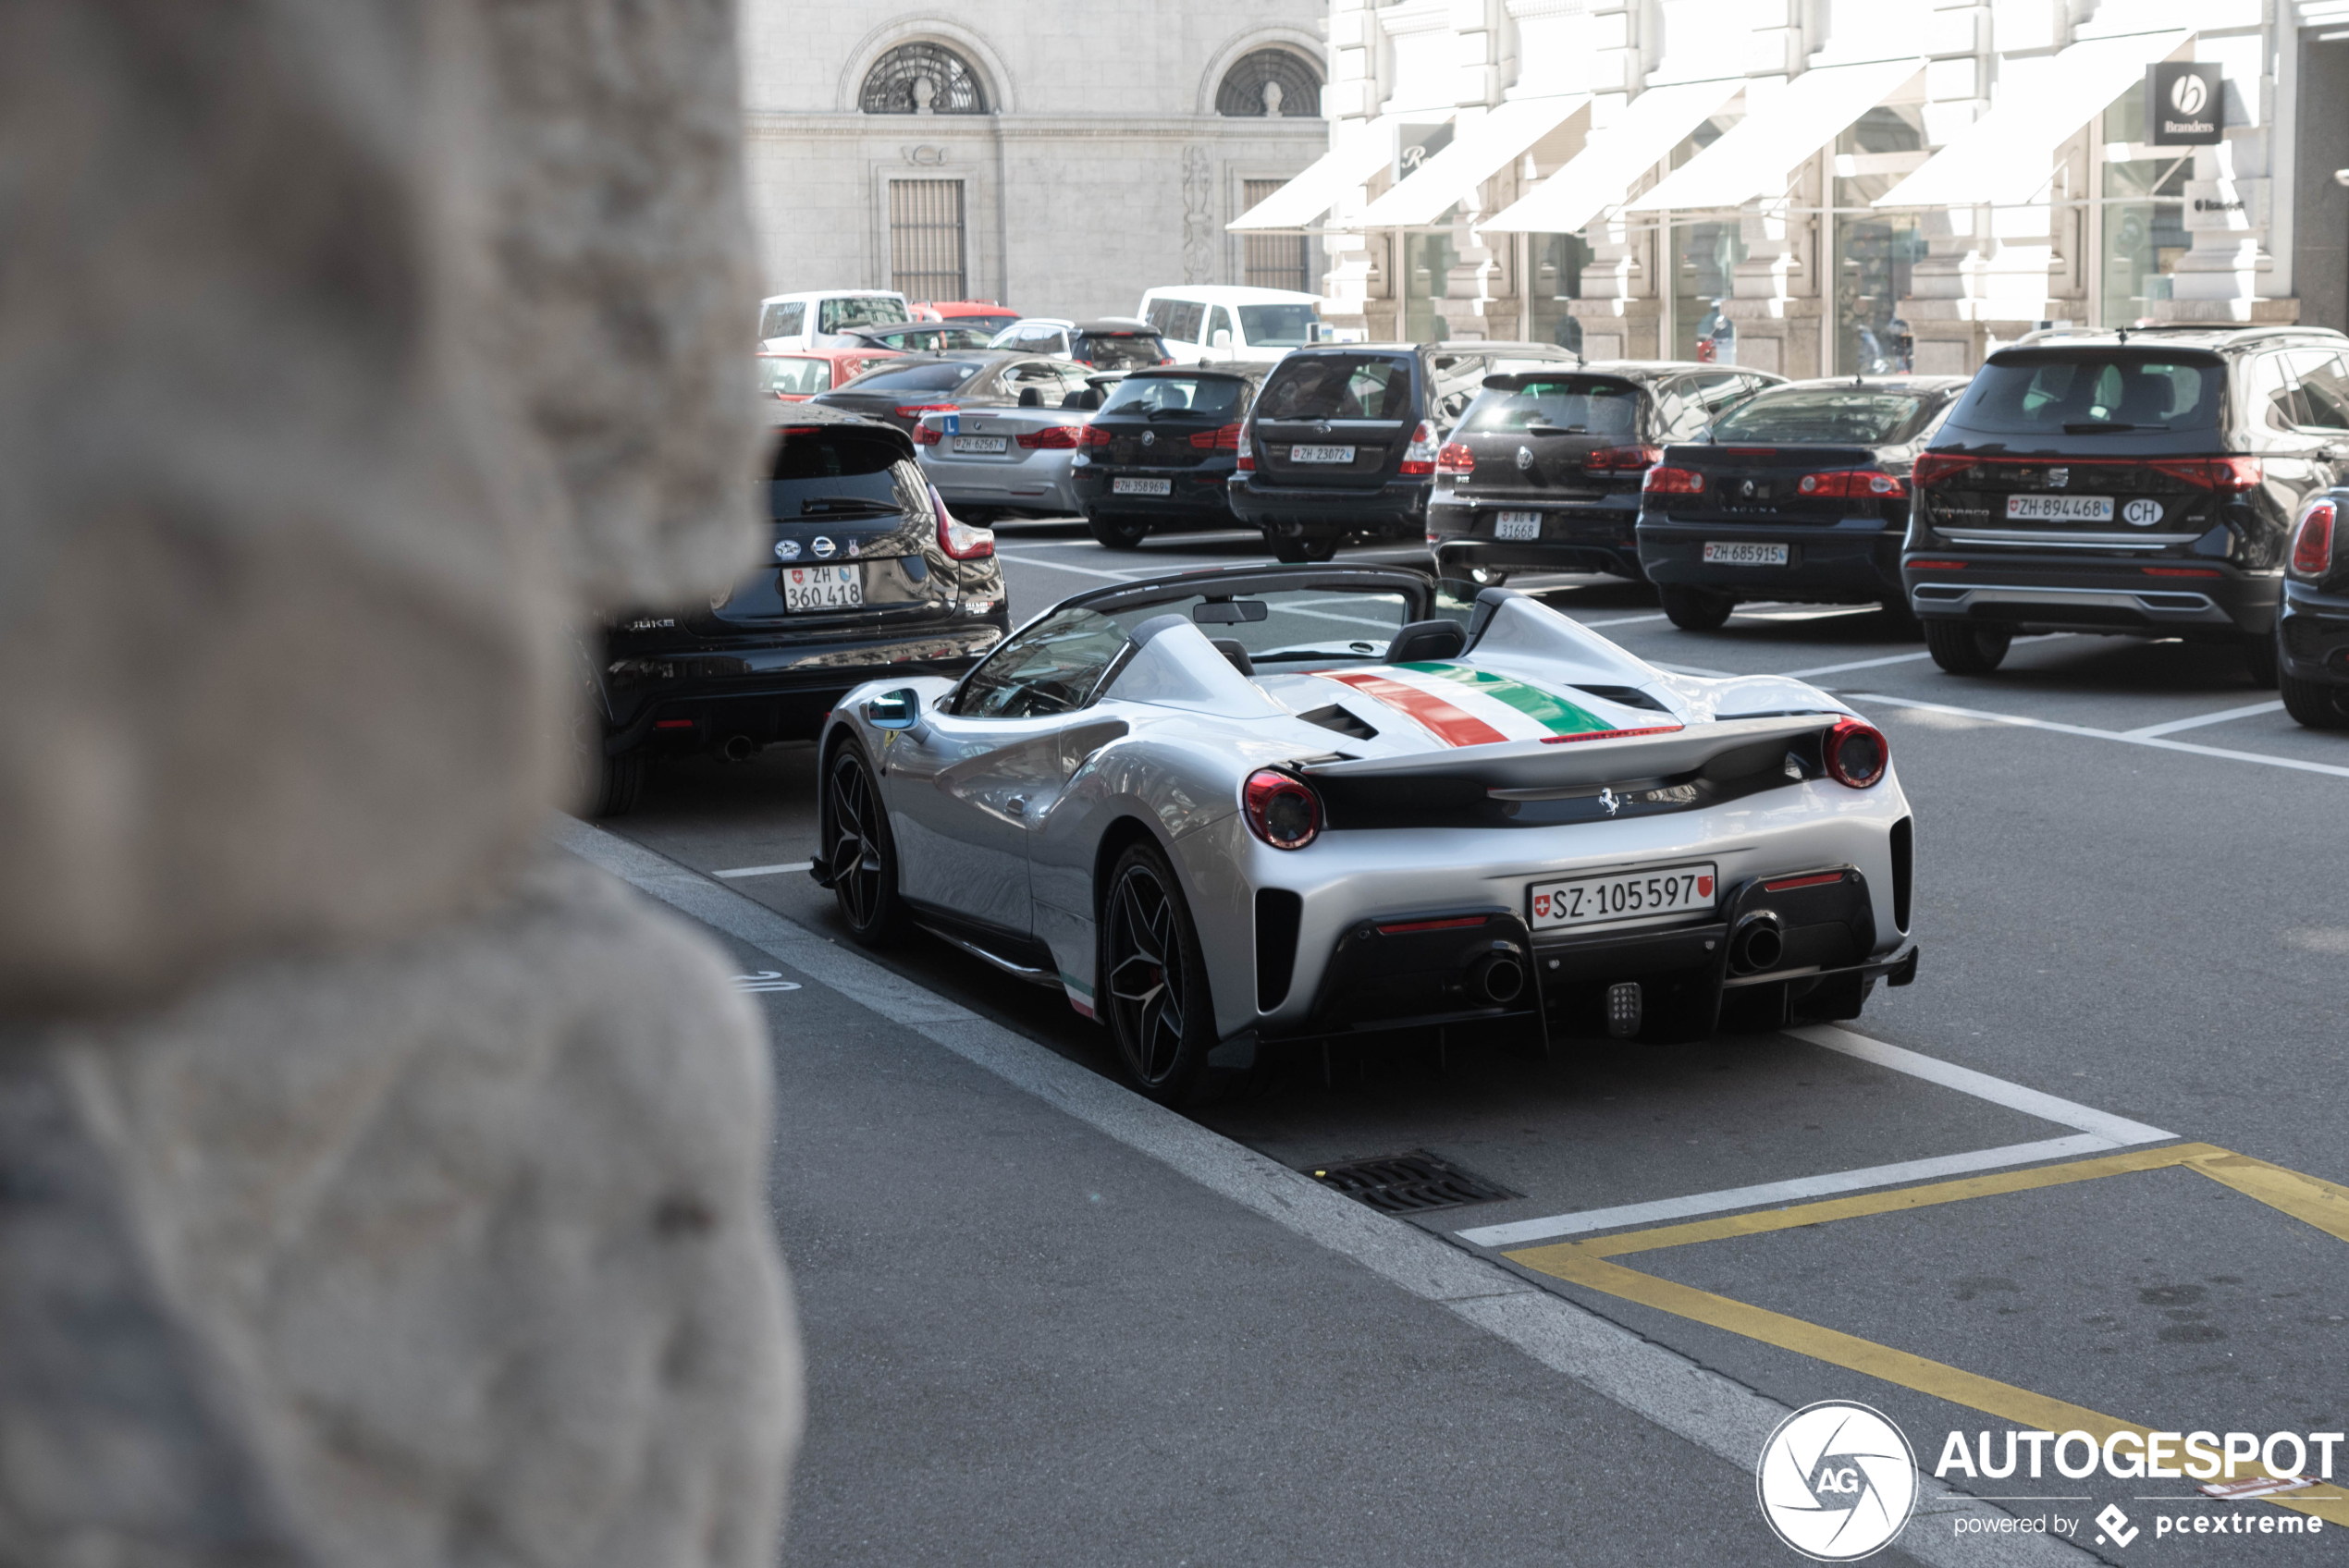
{"x":899,"y":709}
{"x":1222,"y":338}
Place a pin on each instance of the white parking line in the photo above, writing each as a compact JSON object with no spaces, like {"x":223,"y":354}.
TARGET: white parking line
{"x":1855,"y":663}
{"x":2096,"y":1132}
{"x":1627,"y":620}
{"x":2123,"y":736}
{"x":2249,"y":710}
{"x":1034,"y":557}
{"x":766,"y":870}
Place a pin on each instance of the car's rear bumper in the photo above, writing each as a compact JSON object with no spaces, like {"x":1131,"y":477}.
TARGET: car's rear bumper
{"x":2097,"y":594}
{"x":1193,"y":494}
{"x":2313,"y":635}
{"x":1854,"y":563}
{"x":1393,"y":504}
{"x":685,"y":700}
{"x":1575,"y":536}
{"x":1039,"y":483}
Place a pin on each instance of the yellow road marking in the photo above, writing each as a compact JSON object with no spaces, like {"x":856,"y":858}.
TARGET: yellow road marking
{"x":2318,"y":1203}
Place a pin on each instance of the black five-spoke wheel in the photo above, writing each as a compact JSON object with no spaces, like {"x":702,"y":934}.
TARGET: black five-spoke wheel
{"x":1156,"y":979}
{"x":860,"y":858}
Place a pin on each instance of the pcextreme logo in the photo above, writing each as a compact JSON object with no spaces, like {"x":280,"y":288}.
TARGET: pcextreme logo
{"x":1837,"y":1481}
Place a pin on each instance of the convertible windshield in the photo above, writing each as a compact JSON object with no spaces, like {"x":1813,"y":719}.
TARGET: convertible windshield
{"x":1850,"y":418}
{"x":1291,"y":626}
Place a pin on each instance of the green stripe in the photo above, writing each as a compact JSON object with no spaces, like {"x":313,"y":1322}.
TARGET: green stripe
{"x":1558,"y":716}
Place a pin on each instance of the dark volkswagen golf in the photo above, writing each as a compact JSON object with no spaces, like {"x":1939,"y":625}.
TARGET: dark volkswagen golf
{"x":867,"y":575}
{"x":1800,"y":493}
{"x":1158,"y":454}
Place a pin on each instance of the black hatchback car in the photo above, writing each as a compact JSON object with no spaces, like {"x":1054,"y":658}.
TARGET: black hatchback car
{"x":2312,"y":622}
{"x":1344,"y":438}
{"x":900,"y":391}
{"x":1160,"y":452}
{"x":1543,"y":472}
{"x":2139,"y":483}
{"x":867,"y":575}
{"x":1800,"y":493}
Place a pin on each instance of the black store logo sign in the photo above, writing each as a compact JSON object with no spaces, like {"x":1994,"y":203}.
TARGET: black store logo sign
{"x":2185,"y":105}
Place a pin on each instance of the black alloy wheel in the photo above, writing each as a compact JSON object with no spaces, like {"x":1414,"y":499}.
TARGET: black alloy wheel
{"x":1119,"y":532}
{"x":1967,"y":647}
{"x":860,"y":858}
{"x":2260,"y":654}
{"x":1304,"y":549}
{"x":1153,"y":978}
{"x":1694,"y":610}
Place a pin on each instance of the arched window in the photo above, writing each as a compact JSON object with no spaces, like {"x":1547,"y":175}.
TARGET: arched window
{"x":921,"y":78}
{"x":1271,"y":81}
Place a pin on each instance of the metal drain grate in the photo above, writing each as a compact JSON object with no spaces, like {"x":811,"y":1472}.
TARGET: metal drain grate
{"x":1408,"y":1183}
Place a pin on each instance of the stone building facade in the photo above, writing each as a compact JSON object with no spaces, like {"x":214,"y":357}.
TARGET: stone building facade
{"x":1058,"y":156}
{"x":1826,"y":186}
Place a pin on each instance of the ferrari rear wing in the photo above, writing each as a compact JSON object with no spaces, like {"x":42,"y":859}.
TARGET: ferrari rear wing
{"x":1728,"y":748}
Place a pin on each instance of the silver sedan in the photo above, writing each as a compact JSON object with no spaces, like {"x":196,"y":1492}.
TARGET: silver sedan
{"x":987,"y":461}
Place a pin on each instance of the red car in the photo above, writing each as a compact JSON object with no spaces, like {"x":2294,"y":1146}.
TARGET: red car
{"x":799,"y":375}
{"x":984,"y":313}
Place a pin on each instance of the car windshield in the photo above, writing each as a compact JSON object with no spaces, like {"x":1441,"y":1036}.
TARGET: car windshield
{"x":1850,"y":417}
{"x":916,"y":378}
{"x":859,"y":310}
{"x":797,"y":375}
{"x":1219,"y":395}
{"x":1575,"y":405}
{"x":1339,"y":387}
{"x":2083,"y":392}
{"x":1121,"y":351}
{"x":1277,"y":326}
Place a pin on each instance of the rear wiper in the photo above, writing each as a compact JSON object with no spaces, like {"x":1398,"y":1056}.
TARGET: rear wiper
{"x":1557,"y":430}
{"x":835,"y":506}
{"x":2106,"y":427}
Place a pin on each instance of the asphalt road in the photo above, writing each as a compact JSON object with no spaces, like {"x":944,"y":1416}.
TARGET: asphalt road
{"x":2129,"y":865}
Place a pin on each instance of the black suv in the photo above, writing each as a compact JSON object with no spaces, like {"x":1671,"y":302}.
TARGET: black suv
{"x":1542,"y":472}
{"x":868,"y":576}
{"x":1344,"y":438}
{"x":900,"y":391}
{"x":2142,"y":482}
{"x":1161,"y":450}
{"x":1800,"y":493}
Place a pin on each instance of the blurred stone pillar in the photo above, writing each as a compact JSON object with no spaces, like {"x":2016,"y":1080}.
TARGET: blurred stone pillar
{"x":374,"y":1189}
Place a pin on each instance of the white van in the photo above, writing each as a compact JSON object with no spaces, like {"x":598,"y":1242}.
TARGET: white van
{"x":1222,"y":321}
{"x":819,"y":318}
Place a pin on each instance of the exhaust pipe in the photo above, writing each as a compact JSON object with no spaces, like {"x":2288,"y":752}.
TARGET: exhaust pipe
{"x":1498,"y":976}
{"x":738,"y":748}
{"x":1757,"y":944}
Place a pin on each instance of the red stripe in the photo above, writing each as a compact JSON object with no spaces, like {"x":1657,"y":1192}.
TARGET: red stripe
{"x":1453,"y":727}
{"x":1781,"y":886}
{"x":1611,"y":734}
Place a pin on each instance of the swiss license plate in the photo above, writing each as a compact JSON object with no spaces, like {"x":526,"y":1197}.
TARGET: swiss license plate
{"x":1141,"y":486}
{"x":981,"y":444}
{"x":1321,"y":454}
{"x":1720,"y":554}
{"x":822,"y":588}
{"x":1516,"y":525}
{"x":1606,"y":901}
{"x":2059,"y":508}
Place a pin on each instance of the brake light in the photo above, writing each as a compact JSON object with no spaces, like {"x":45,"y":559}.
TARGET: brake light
{"x":1856,"y":754}
{"x":1935,"y":565}
{"x":1226,"y":439}
{"x":916,"y":411}
{"x":1247,"y":463}
{"x":2227,"y":475}
{"x":1281,"y":809}
{"x":1933,"y":466}
{"x":1456,"y":459}
{"x":1053,"y":439}
{"x":2312,"y":541}
{"x":1420,"y":456}
{"x":1621,"y":460}
{"x":1673,"y":482}
{"x":957,"y":538}
{"x":1858,"y":483}
{"x":2181,"y":571}
{"x":926,"y":435}
{"x":1092,"y":435}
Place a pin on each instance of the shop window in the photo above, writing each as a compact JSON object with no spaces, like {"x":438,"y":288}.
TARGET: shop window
{"x":1704,"y":255}
{"x":1428,"y":260}
{"x":1876,"y":252}
{"x":1557,"y":261}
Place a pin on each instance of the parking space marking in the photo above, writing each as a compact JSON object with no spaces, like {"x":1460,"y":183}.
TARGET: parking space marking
{"x":2249,"y":710}
{"x":1036,"y":557}
{"x":2118,"y":1130}
{"x":2322,"y":1204}
{"x":1626,"y":620}
{"x":1898,"y":658}
{"x":742,"y":871}
{"x":2123,"y":736}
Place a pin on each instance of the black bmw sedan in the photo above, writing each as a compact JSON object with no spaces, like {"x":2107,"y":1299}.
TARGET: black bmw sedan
{"x":1800,"y":493}
{"x":1158,"y":452}
{"x":867,"y":575}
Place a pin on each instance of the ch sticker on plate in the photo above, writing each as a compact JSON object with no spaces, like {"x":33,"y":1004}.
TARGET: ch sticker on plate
{"x":822,"y":588}
{"x":1516,"y":525}
{"x":1639,"y":895}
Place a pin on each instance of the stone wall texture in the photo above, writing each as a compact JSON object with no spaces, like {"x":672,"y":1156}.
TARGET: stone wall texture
{"x":372,"y":1190}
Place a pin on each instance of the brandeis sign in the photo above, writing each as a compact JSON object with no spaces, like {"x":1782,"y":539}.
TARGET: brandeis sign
{"x":2184,"y":105}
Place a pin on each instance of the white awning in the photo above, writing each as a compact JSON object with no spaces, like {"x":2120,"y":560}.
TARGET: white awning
{"x":1650,"y":127}
{"x":1363,"y":148}
{"x":2006,"y":158}
{"x":1477,"y":153}
{"x":1753,"y":160}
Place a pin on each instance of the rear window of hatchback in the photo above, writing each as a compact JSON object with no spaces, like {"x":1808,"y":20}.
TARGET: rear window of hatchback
{"x":1569,"y":406}
{"x":2086,"y":392}
{"x":1222,"y":395}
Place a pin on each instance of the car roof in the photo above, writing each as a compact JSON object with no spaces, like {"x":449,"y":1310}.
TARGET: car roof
{"x":1235,"y":369}
{"x":1112,"y":326}
{"x":777,"y":415}
{"x":1874,"y":384}
{"x":1038,"y":321}
{"x":833,"y":354}
{"x":2182,"y":335}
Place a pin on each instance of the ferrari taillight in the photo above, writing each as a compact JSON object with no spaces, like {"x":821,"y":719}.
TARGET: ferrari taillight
{"x":1419,"y":457}
{"x":1281,"y":808}
{"x":2312,"y":541}
{"x":1456,"y":459}
{"x":1856,"y":754}
{"x":958,"y":538}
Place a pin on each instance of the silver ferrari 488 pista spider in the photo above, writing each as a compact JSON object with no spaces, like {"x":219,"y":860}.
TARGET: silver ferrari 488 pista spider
{"x":1235,"y":808}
